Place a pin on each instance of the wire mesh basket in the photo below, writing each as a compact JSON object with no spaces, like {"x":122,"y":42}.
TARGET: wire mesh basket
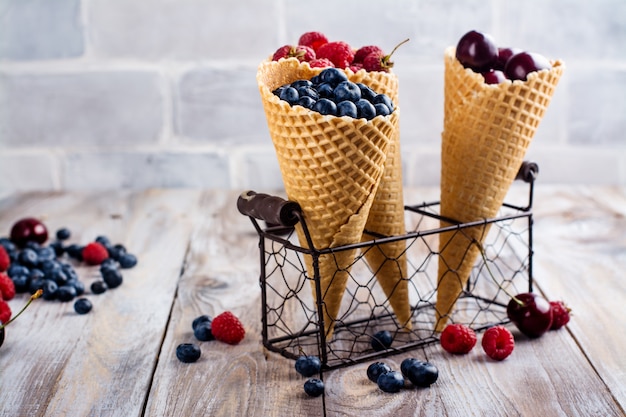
{"x":291,"y":313}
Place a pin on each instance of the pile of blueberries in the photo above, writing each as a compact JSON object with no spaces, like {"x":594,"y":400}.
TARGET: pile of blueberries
{"x":331,"y":93}
{"x":49,"y":268}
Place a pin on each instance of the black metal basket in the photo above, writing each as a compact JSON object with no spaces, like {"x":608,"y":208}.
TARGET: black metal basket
{"x":291,"y":317}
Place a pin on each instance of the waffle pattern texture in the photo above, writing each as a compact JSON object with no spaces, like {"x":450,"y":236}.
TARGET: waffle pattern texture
{"x":332,"y":166}
{"x":487,"y":130}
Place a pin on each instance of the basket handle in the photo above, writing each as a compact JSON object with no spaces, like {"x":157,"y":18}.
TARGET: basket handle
{"x":528,"y":171}
{"x":271,"y":209}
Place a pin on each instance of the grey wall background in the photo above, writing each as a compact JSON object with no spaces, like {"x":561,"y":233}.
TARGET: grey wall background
{"x":100,"y":94}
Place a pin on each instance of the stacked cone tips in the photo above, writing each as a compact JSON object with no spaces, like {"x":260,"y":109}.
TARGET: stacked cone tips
{"x":386,"y":218}
{"x":487,"y":130}
{"x":332,"y":167}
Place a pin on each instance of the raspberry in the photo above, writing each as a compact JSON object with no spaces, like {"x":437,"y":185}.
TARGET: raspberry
{"x":94,"y":253}
{"x":458,"y":338}
{"x":364,"y":51}
{"x":301,"y":52}
{"x":560,"y":314}
{"x":227,"y":328}
{"x":5,"y":311}
{"x":5,"y":261}
{"x":313,"y":40}
{"x":7,"y":287}
{"x":498,"y":342}
{"x":378,"y":61}
{"x":321,"y":63}
{"x":339,"y":53}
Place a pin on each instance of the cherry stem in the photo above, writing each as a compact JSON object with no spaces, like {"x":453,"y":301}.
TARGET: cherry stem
{"x":33,"y":297}
{"x":397,"y":46}
{"x":485,"y":260}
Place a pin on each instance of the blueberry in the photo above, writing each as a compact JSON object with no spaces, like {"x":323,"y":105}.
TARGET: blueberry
{"x":203,"y":332}
{"x":104,"y":241}
{"x":31,"y":244}
{"x":17,"y":269}
{"x":98,"y":287}
{"x":422,"y":374}
{"x":306,"y":102}
{"x":290,"y":95}
{"x":63,"y":233}
{"x":49,"y":288}
{"x":325,"y":90}
{"x":59,"y":276}
{"x":28,"y":258}
{"x":308,"y":92}
{"x":8,"y":245}
{"x":46,"y":253}
{"x":376,"y":369}
{"x":333,"y":76}
{"x":188,"y":352}
{"x":407,"y":363}
{"x":308,"y":365}
{"x":58,"y":248}
{"x":301,"y":83}
{"x":127,"y":260}
{"x":366,"y":92}
{"x":346,"y":108}
{"x":366,"y":110}
{"x":199,"y":320}
{"x":82,"y":306}
{"x":108,"y":263}
{"x":314,"y":387}
{"x":78,"y":286}
{"x":392,"y":381}
{"x":347,"y":90}
{"x":21,"y":283}
{"x":384,"y":99}
{"x":112,"y":277}
{"x":382,"y":340}
{"x":277,"y":91}
{"x":69,"y":271}
{"x":35,"y":284}
{"x":75,"y":251}
{"x":48,"y":264}
{"x":116,"y":251}
{"x":66,"y":293}
{"x":325,"y":106}
{"x":381,"y":109}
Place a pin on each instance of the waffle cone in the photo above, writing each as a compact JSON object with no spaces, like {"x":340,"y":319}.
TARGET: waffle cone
{"x":386,"y":217}
{"x":487,"y":130}
{"x":331,"y":166}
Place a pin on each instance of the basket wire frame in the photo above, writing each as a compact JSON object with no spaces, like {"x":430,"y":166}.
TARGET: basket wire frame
{"x":292,"y":319}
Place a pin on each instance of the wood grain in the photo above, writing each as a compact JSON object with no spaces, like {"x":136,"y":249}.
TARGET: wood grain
{"x":198,"y":255}
{"x":55,"y":362}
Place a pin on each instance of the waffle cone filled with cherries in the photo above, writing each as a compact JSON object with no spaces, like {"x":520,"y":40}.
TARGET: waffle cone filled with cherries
{"x":487,"y":130}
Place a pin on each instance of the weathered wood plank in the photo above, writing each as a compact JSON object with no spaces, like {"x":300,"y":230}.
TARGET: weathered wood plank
{"x":222,"y":273}
{"x":55,"y":362}
{"x":581,"y":258}
{"x":543,"y":377}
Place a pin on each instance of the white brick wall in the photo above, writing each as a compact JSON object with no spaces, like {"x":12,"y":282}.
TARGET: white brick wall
{"x":161,"y":93}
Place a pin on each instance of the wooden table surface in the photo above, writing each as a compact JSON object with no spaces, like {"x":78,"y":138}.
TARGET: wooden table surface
{"x":198,"y":255}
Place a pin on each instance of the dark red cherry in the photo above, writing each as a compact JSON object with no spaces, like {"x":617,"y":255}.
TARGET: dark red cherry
{"x":27,"y":230}
{"x":531,"y":313}
{"x":520,"y":65}
{"x":493,"y":76}
{"x":477,"y":51}
{"x":503,"y":56}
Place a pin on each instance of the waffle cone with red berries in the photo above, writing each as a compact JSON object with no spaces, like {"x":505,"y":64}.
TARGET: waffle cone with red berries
{"x":487,"y":130}
{"x":331,"y":166}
